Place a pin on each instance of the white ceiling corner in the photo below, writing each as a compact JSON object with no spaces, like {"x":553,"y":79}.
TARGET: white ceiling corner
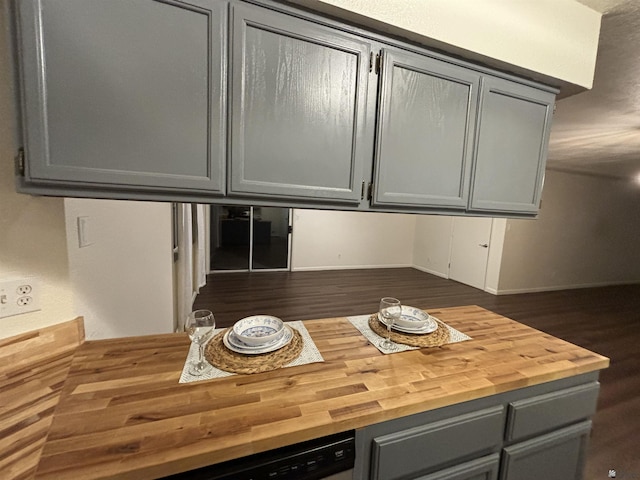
{"x":598,"y":131}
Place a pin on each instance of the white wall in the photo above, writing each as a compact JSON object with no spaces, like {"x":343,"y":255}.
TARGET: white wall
{"x":432,"y":244}
{"x":325,"y":240}
{"x":557,"y":38}
{"x":587,"y":234}
{"x":123,"y":281}
{"x":32,"y":234}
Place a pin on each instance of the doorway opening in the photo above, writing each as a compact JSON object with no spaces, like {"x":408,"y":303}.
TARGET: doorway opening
{"x":248,"y":239}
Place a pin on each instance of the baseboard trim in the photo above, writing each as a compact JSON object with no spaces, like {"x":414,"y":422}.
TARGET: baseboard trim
{"x":432,"y":272}
{"x":553,"y":288}
{"x":348,"y":267}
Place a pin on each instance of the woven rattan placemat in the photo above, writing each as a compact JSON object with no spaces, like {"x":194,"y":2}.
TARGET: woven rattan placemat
{"x":221,"y":357}
{"x":434,"y":339}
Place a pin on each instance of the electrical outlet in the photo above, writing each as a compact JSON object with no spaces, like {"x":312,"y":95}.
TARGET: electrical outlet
{"x":24,"y":301}
{"x":20,"y":295}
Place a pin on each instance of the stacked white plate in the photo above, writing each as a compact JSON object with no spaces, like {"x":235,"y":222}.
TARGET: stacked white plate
{"x":257,"y":334}
{"x":413,"y":320}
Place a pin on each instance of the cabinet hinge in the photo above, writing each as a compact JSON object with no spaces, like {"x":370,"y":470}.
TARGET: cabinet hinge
{"x":370,"y":192}
{"x":290,"y":229}
{"x":20,"y":162}
{"x":555,"y":107}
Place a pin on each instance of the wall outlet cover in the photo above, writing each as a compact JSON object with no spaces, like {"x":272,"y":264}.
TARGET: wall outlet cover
{"x":19,"y":295}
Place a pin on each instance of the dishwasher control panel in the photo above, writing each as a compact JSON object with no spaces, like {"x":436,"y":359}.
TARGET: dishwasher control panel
{"x":312,"y":460}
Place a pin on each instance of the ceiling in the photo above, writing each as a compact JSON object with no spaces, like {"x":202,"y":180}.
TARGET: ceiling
{"x":598,"y":131}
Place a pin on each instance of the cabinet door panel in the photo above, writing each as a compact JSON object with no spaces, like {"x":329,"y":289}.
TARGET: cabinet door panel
{"x":485,"y":468}
{"x":557,"y":456}
{"x":298,"y":107}
{"x":124,"y":92}
{"x":511,"y":150}
{"x":425,"y":131}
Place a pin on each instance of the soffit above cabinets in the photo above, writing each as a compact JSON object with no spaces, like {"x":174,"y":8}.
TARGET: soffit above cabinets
{"x":551,"y":42}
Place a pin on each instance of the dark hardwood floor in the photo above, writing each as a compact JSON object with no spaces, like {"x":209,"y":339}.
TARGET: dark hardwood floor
{"x":605,"y":320}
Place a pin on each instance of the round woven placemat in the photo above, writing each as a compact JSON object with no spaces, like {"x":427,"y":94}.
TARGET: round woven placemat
{"x":221,"y":357}
{"x":434,"y":339}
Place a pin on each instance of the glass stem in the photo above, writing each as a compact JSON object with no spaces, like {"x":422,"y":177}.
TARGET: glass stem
{"x":388,"y":333}
{"x":201,"y":356}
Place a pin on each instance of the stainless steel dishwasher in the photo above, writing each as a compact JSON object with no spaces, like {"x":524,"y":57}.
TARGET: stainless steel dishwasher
{"x":326,"y":458}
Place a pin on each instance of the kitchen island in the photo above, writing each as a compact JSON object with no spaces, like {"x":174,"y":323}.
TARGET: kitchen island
{"x":123,"y":414}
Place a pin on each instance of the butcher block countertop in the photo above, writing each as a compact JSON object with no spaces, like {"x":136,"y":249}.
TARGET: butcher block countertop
{"x":123,"y":414}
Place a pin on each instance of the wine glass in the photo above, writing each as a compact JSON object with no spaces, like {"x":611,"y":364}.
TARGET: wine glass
{"x":390,"y":310}
{"x":199,"y":326}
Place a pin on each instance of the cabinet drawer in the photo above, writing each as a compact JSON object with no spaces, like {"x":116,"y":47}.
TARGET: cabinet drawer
{"x":543,"y":413}
{"x":423,"y":448}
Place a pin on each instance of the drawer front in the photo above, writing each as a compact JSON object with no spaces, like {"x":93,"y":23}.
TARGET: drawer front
{"x":420,"y":449}
{"x":544,"y":413}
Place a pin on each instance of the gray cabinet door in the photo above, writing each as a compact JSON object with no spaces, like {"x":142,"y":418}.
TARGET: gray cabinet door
{"x":425,"y":132}
{"x":485,"y":468}
{"x":511,"y":149}
{"x":124,"y":93}
{"x":298,"y":108}
{"x":559,"y":455}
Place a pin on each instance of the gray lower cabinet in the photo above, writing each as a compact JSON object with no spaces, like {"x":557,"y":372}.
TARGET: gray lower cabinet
{"x":485,"y":468}
{"x":124,"y":93}
{"x":512,"y":136}
{"x":556,"y":456}
{"x":426,"y":123}
{"x":407,"y":453}
{"x":540,"y":414}
{"x":534,"y":433}
{"x":298,"y":108}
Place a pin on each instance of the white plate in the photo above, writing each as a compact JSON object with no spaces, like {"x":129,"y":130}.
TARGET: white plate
{"x":238,"y":343}
{"x":233,"y":344}
{"x":430,"y":326}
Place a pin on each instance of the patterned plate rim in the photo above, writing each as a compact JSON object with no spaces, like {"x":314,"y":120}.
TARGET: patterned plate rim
{"x":284,"y":341}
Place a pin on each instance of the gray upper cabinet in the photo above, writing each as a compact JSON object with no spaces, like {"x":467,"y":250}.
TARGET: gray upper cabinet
{"x":298,"y":106}
{"x":424,"y":141}
{"x":123,"y":93}
{"x":234,"y":102}
{"x":511,"y":149}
